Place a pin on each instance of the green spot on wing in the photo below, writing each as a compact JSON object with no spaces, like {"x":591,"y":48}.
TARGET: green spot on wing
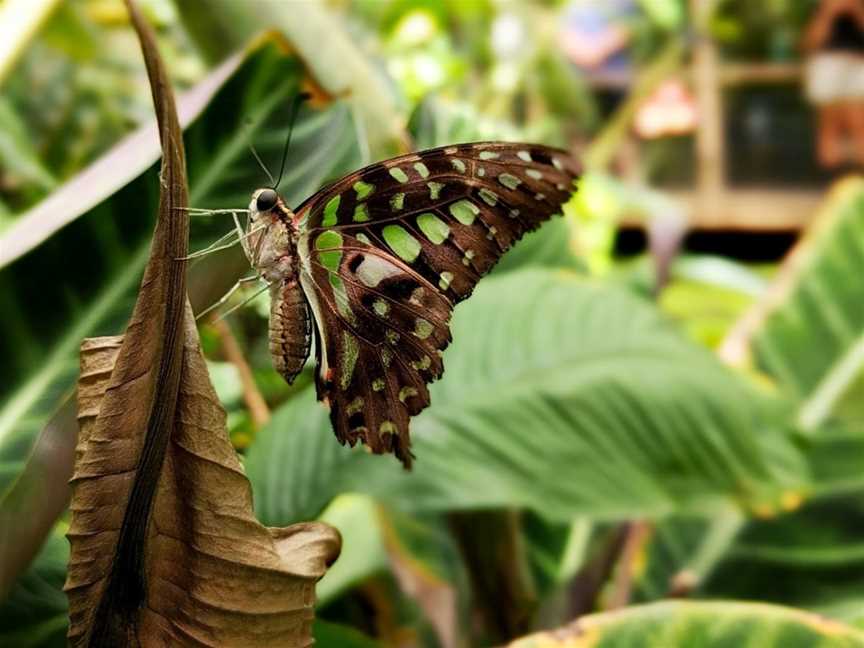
{"x":488,"y":155}
{"x":508,"y":180}
{"x":406,"y":392}
{"x":398,"y":174}
{"x":354,"y":406}
{"x":459,"y":165}
{"x":464,"y":211}
{"x":422,"y":169}
{"x":330,"y":209}
{"x":434,"y":189}
{"x":489,"y":197}
{"x":525,"y":155}
{"x":363,"y":189}
{"x":446,"y":278}
{"x":433,"y":228}
{"x":401,"y":242}
{"x":361,"y":213}
{"x":423,"y":328}
{"x":397,"y":202}
{"x":340,"y":296}
{"x":350,"y":352}
{"x":381,"y":307}
{"x":329,"y":243}
{"x":425,"y":363}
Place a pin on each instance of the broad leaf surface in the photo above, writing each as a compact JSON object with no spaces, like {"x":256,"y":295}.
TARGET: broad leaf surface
{"x":812,"y":558}
{"x":549,"y":374}
{"x":35,"y":612}
{"x":812,"y":341}
{"x":698,"y":625}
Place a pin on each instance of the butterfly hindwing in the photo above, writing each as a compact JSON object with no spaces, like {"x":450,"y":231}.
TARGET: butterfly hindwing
{"x":387,"y":251}
{"x":381,"y":330}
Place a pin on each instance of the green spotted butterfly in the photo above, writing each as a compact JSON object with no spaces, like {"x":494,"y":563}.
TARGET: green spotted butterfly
{"x":373,"y":264}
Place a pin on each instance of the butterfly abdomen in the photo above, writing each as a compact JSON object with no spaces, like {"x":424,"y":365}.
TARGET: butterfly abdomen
{"x":290,"y":328}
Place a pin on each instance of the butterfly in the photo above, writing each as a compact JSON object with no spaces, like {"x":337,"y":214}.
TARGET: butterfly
{"x":372,"y":265}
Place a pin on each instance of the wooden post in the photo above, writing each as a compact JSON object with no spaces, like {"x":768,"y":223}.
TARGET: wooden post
{"x":710,"y":145}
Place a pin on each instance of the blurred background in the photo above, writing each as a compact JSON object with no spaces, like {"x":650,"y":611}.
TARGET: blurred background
{"x":657,"y":396}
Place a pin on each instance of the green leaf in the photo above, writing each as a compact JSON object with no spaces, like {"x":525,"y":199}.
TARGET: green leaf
{"x":548,"y":247}
{"x":18,"y":154}
{"x":699,"y":624}
{"x":812,"y":342}
{"x":438,"y":123}
{"x":707,"y":295}
{"x":34,"y":613}
{"x":334,"y":635}
{"x":362,"y":547}
{"x":561,"y":396}
{"x":682,"y":553}
{"x":812,"y":558}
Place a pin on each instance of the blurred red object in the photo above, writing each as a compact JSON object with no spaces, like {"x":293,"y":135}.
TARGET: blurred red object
{"x":671,"y":110}
{"x":834,"y":80}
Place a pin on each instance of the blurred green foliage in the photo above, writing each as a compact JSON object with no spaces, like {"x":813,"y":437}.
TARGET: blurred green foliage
{"x":572,"y":397}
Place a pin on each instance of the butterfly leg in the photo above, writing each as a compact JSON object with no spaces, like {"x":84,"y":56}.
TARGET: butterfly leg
{"x":227,"y":296}
{"x":223,"y":243}
{"x":246,"y":301}
{"x":198,"y":211}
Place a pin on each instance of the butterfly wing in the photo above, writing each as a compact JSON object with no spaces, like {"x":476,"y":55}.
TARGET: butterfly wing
{"x":387,"y":251}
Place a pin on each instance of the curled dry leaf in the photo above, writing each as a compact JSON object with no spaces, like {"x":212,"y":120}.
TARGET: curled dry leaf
{"x":165,"y":549}
{"x":212,"y":574}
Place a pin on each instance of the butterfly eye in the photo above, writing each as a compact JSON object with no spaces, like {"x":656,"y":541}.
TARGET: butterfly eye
{"x":266,"y":200}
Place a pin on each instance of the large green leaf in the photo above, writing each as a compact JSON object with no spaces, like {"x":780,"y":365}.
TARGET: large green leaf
{"x":558,"y":395}
{"x":699,"y":625}
{"x":812,"y":558}
{"x":362,"y":546}
{"x":35,"y":611}
{"x":333,"y":635}
{"x":812,"y":342}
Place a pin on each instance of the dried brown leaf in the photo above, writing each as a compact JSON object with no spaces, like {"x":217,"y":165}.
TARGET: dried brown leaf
{"x":165,"y":547}
{"x":213,"y":574}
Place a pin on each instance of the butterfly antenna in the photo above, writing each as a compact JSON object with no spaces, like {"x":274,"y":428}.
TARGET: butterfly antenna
{"x":255,"y":153}
{"x":261,"y":162}
{"x":295,"y":108}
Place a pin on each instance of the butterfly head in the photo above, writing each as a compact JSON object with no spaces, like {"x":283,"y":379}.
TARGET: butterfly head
{"x":267,"y":205}
{"x":264,"y":200}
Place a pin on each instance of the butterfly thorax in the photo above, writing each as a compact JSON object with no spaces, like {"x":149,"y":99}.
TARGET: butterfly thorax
{"x":271,"y":239}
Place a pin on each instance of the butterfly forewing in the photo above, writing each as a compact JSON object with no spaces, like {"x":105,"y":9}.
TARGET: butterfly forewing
{"x":388,"y":250}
